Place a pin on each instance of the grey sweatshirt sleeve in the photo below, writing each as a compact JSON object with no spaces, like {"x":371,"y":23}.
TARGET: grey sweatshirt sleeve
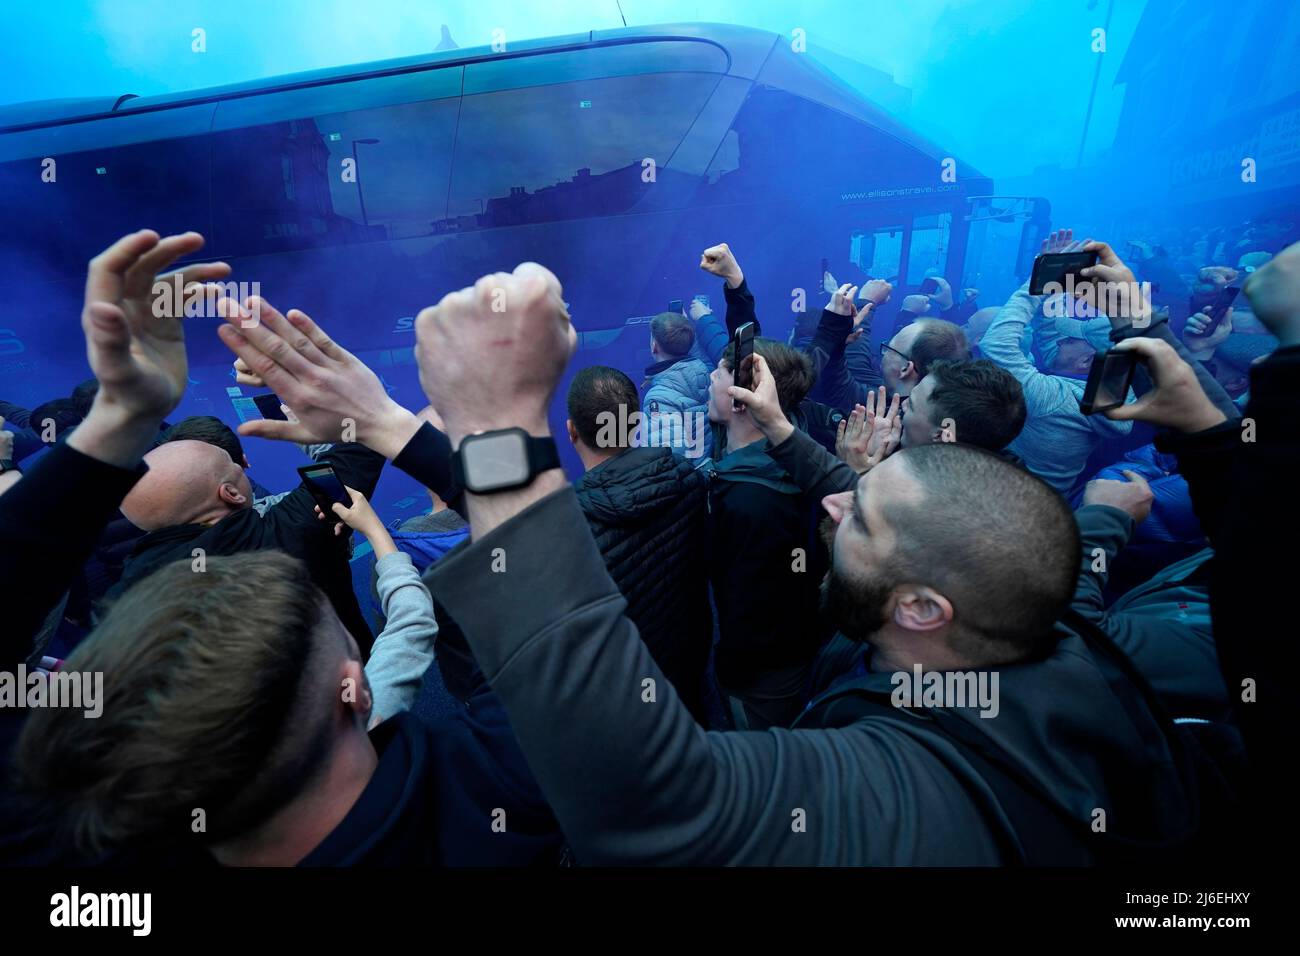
{"x":404,"y":649}
{"x":629,"y":774}
{"x":1001,"y":342}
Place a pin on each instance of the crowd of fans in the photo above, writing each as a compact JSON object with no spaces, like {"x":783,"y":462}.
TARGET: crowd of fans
{"x":693,"y":653}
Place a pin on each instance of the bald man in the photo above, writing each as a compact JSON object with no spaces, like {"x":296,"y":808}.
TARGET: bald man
{"x":195,"y":498}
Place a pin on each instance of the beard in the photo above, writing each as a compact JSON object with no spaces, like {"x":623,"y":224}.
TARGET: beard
{"x":856,"y":608}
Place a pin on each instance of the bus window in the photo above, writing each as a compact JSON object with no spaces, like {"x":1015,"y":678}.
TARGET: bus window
{"x":367,"y":174}
{"x":878,"y":253}
{"x":929,"y":248}
{"x":512,"y":168}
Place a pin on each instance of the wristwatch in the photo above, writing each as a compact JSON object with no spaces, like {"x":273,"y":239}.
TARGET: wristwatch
{"x":7,"y":464}
{"x":502,"y":460}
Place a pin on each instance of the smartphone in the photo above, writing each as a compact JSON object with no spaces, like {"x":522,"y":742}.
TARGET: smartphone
{"x":1109,"y":379}
{"x":325,"y":486}
{"x":1217,"y":309}
{"x":675,"y":306}
{"x":743,"y":370}
{"x":269,"y":406}
{"x":1054,"y":267}
{"x":930,"y":286}
{"x":826,"y":267}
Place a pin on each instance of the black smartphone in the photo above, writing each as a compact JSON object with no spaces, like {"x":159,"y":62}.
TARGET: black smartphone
{"x":826,"y":267}
{"x":930,"y":286}
{"x":743,"y":370}
{"x":269,"y":406}
{"x":675,"y":306}
{"x":1217,"y":309}
{"x":1054,"y":267}
{"x":1109,"y":379}
{"x":325,"y":486}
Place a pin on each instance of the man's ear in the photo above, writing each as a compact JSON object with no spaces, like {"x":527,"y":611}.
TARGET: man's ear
{"x":573,"y":432}
{"x":921,"y":609}
{"x":355,"y":690}
{"x":230,"y":494}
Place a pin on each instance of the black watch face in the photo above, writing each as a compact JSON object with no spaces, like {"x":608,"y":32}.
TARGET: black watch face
{"x":493,"y":462}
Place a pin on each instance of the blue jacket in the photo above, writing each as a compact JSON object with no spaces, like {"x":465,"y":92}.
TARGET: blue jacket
{"x":1172,"y":517}
{"x":676,"y":408}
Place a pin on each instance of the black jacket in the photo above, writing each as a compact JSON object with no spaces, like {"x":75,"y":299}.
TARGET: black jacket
{"x":635,"y":783}
{"x":766,"y":565}
{"x":647,"y":509}
{"x":291,"y":526}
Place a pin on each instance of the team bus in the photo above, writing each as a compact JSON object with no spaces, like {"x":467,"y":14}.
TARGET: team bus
{"x":363,"y":194}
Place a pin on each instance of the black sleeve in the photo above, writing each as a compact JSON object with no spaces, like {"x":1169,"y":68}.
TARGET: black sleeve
{"x":427,"y":459}
{"x":1253,"y":580}
{"x":833,"y":384}
{"x":740,"y":308}
{"x":816,"y":471}
{"x":50,"y":522}
{"x":355,"y":465}
{"x":1205,"y":459}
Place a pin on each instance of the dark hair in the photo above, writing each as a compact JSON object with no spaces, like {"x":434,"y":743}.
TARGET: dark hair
{"x":62,"y":411}
{"x":985,"y":402}
{"x":937,"y":339}
{"x":1008,"y":563}
{"x":214,"y":700}
{"x":674,"y":332}
{"x":210,"y":430}
{"x":596,"y":392}
{"x":791,"y":368}
{"x":84,"y":395}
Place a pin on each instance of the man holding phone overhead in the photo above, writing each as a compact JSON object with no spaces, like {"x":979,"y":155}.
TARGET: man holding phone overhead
{"x":195,"y":502}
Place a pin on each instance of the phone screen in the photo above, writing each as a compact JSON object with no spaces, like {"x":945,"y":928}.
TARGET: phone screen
{"x":675,"y":305}
{"x":1053,"y":268}
{"x":1108,"y":381}
{"x":269,"y":406}
{"x":325,"y":486}
{"x":743,"y":371}
{"x":930,"y":286}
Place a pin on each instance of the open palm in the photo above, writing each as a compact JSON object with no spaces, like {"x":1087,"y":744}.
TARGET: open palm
{"x":137,"y":351}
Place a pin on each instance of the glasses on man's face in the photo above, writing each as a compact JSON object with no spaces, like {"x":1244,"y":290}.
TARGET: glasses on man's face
{"x":886,"y":347}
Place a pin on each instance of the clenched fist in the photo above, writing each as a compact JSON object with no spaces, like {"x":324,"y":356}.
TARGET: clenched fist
{"x":491,"y":356}
{"x":720,"y":262}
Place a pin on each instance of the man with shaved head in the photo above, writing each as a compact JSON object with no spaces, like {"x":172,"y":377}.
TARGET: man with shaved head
{"x":195,"y":502}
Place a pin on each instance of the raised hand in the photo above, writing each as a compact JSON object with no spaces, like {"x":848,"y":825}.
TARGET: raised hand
{"x":1062,"y":240}
{"x":762,"y":404}
{"x":876,"y":291}
{"x":1177,"y":401}
{"x":1274,"y":294}
{"x":1111,"y":288}
{"x":135,"y":343}
{"x":334,"y":396}
{"x":1195,"y":335}
{"x":842,"y":300}
{"x":866,"y":438}
{"x":492,"y":355}
{"x":720,"y":261}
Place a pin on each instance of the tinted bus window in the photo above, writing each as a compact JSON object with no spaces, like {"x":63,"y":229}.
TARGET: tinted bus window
{"x":569,"y":150}
{"x":364,"y":175}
